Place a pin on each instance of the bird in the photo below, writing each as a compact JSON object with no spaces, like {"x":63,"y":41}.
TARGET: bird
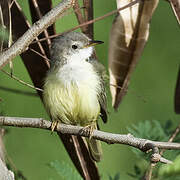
{"x":74,"y":87}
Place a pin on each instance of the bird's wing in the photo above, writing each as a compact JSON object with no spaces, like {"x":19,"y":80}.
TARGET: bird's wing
{"x":100,"y":69}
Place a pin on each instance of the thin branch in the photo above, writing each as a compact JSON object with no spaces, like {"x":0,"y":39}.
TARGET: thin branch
{"x":148,"y":174}
{"x":20,"y":81}
{"x":40,"y":16}
{"x":79,"y":15}
{"x":175,"y":4}
{"x":92,"y":21}
{"x":110,"y":138}
{"x":88,"y":15}
{"x":171,"y":139}
{"x":29,"y":25}
{"x":40,"y":54}
{"x":23,"y":42}
{"x":10,"y":41}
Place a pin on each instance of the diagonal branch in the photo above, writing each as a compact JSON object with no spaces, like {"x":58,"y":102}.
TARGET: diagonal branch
{"x":93,"y":20}
{"x":23,"y":42}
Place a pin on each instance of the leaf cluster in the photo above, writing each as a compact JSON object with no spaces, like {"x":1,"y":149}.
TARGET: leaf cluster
{"x":156,"y":131}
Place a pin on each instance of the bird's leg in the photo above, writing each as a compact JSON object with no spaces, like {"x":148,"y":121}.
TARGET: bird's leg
{"x":89,"y":129}
{"x":54,"y":125}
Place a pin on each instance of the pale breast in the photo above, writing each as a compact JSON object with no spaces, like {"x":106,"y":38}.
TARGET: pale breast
{"x":71,"y":94}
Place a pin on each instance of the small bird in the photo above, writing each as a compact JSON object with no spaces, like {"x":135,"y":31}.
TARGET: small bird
{"x":74,"y":88}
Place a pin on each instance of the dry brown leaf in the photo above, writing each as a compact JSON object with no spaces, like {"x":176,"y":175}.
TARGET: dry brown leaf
{"x":128,"y":37}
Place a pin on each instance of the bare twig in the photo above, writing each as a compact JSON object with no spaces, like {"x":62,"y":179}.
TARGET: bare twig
{"x":88,"y":15}
{"x":92,"y":21}
{"x":175,"y":4}
{"x":171,"y":139}
{"x":20,"y":81}
{"x":23,"y":42}
{"x":40,"y":16}
{"x":79,"y":15}
{"x":148,"y":173}
{"x":29,"y":25}
{"x":39,"y":54}
{"x":110,"y":138}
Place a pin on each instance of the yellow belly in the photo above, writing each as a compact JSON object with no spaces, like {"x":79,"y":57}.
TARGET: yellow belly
{"x":71,"y":104}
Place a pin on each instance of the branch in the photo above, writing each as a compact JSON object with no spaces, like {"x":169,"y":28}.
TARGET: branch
{"x":20,"y":81}
{"x":92,"y":21}
{"x":22,"y":43}
{"x":110,"y":138}
{"x":152,"y":165}
{"x":4,"y":172}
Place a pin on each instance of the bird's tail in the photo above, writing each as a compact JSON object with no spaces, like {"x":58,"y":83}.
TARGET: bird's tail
{"x":95,"y":149}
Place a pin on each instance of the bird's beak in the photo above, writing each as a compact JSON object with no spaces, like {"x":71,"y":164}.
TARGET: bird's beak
{"x":93,"y":43}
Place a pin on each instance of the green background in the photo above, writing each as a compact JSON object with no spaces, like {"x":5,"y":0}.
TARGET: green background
{"x":153,"y":80}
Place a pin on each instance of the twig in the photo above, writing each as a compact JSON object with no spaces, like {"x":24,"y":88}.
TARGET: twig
{"x":29,"y":25}
{"x":175,"y":4}
{"x":176,"y":132}
{"x":79,"y":15}
{"x":92,"y":21}
{"x":40,"y":16}
{"x":10,"y":41}
{"x":23,"y":42}
{"x":20,"y":81}
{"x":39,"y":54}
{"x":110,"y":138}
{"x":148,"y":174}
{"x":88,"y":15}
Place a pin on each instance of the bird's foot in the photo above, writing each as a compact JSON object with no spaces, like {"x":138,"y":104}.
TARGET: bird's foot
{"x":88,"y":130}
{"x":54,"y":125}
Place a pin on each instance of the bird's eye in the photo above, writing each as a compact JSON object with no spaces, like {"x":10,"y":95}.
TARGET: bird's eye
{"x":74,"y":46}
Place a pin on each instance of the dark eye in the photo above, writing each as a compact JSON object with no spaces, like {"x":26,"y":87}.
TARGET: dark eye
{"x":74,"y":47}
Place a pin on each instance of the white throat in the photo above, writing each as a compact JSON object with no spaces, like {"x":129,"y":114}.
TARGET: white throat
{"x":77,"y":69}
{"x":81,"y":55}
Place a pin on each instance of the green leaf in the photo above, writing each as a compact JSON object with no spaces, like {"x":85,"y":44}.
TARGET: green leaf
{"x":65,"y":171}
{"x":151,"y":130}
{"x":170,"y":169}
{"x":116,"y":177}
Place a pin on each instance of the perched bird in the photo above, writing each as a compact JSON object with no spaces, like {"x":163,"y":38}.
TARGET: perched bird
{"x":74,"y":90}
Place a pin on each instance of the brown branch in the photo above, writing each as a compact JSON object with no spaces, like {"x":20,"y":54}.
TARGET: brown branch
{"x":88,"y":15}
{"x":45,"y":58}
{"x":148,"y":173}
{"x":23,"y":42}
{"x":92,"y":21}
{"x":110,"y":138}
{"x":79,"y":15}
{"x":40,"y":16}
{"x":175,"y":4}
{"x":171,"y":139}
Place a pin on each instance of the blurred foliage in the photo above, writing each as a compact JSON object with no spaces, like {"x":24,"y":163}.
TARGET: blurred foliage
{"x":153,"y":130}
{"x":64,"y":170}
{"x":148,"y":130}
{"x":4,"y":34}
{"x":154,"y":80}
{"x":116,"y":177}
{"x":169,"y":170}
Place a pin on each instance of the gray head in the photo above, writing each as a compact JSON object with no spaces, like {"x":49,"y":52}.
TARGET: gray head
{"x":71,"y":46}
{"x":67,"y":45}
